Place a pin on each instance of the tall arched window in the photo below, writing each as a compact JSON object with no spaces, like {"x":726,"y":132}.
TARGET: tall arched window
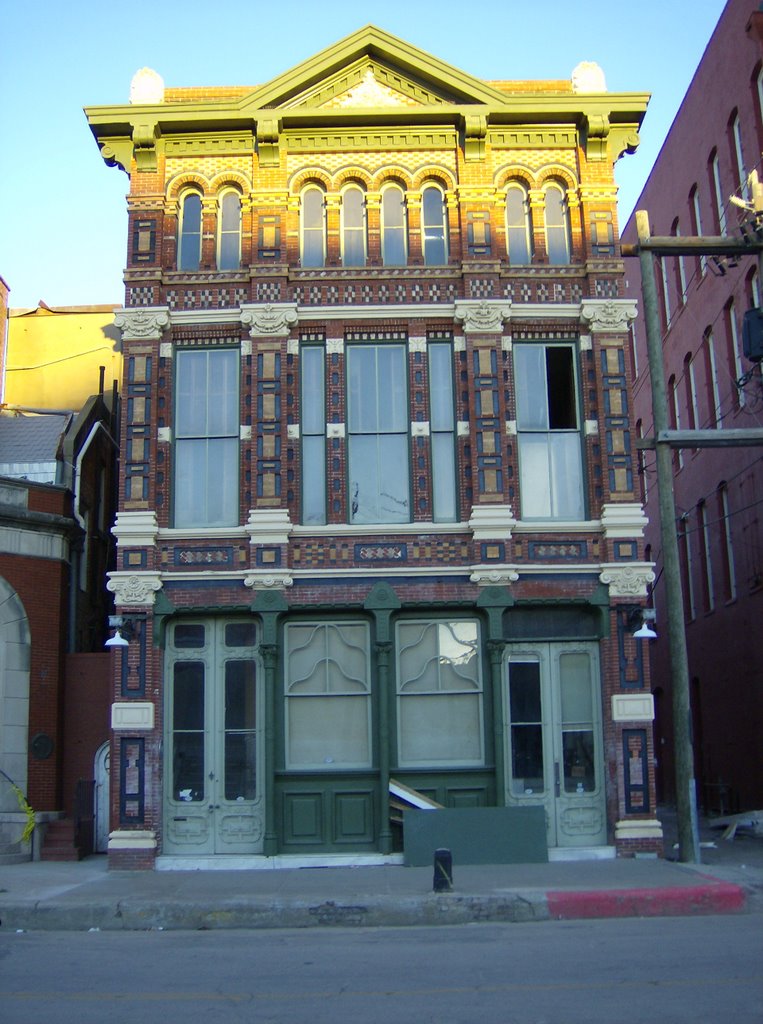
{"x":229,"y":232}
{"x":394,"y":227}
{"x":434,"y":226}
{"x":189,"y":232}
{"x":518,"y":225}
{"x":557,"y":224}
{"x":312,"y":227}
{"x":353,"y":227}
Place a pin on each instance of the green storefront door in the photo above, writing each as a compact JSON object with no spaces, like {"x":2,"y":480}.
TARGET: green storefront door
{"x":554,"y":740}
{"x":213,"y":794}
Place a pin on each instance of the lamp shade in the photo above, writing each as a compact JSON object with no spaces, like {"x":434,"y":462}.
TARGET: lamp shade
{"x":645,"y":632}
{"x":116,"y":641}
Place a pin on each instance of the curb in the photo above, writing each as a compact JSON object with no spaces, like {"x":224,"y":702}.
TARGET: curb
{"x":674,"y":901}
{"x":433,"y":909}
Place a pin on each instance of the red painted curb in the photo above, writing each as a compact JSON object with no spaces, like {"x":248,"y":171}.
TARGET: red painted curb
{"x":678,"y":900}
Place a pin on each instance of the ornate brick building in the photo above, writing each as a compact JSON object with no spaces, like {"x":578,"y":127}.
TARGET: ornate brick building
{"x":378,"y":517}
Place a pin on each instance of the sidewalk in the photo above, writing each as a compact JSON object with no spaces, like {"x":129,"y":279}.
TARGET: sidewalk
{"x":85,"y":895}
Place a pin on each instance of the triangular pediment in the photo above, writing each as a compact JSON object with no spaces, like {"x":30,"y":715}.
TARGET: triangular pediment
{"x":371,"y":68}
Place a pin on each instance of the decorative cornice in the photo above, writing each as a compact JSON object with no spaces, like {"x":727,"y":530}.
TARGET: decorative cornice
{"x":493,"y":576}
{"x":491,"y":522}
{"x":610,"y":315}
{"x":134,"y":588}
{"x":267,"y":580}
{"x":627,"y":580}
{"x":136,"y":529}
{"x":142,"y":324}
{"x":481,"y":317}
{"x":623,"y":519}
{"x":271,"y":320}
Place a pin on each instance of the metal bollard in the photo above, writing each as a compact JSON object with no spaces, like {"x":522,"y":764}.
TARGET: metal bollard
{"x":443,"y":871}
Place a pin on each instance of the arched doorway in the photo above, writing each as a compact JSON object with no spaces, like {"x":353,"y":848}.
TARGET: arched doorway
{"x":15,"y":650}
{"x":101,"y":797}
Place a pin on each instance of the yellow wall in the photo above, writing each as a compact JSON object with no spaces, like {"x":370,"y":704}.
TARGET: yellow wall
{"x":54,"y":354}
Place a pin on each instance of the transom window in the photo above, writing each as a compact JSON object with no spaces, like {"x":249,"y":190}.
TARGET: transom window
{"x":327,"y":689}
{"x":206,"y":452}
{"x":550,"y":452}
{"x":439,"y":693}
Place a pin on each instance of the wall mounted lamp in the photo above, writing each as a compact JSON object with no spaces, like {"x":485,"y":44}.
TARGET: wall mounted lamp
{"x":642,"y":617}
{"x":123,"y":631}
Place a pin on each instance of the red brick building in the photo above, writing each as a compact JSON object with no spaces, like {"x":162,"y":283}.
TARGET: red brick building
{"x":57,"y":476}
{"x":712,"y":147}
{"x":378,"y":512}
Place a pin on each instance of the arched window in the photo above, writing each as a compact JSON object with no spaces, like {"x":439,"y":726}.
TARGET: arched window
{"x":189,"y":232}
{"x":557,"y":224}
{"x":518,"y":225}
{"x":312,"y":227}
{"x":394,"y":227}
{"x":434,"y":226}
{"x":229,"y":232}
{"x":353,"y":227}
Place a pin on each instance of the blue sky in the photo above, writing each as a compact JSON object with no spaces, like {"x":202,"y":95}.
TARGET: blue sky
{"x":62,"y":211}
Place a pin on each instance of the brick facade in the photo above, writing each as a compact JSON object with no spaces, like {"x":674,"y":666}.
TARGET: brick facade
{"x":438,"y":556}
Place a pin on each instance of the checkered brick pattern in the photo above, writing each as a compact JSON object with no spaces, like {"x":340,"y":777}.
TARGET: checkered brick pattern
{"x":481,"y":289}
{"x":332,"y":294}
{"x":576,"y":292}
{"x":401,"y":293}
{"x":367,"y":293}
{"x":384,"y":293}
{"x":606,"y":289}
{"x":188,"y":300}
{"x":141,"y":296}
{"x":349,"y":294}
{"x":206,"y":298}
{"x":172,"y":298}
{"x":542,"y":292}
{"x":525,"y":292}
{"x":315,"y":295}
{"x":417,"y":293}
{"x":268,"y":291}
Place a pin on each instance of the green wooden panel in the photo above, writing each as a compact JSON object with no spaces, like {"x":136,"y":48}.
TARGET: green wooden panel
{"x":476,"y":835}
{"x":303,"y":818}
{"x":353,"y":817}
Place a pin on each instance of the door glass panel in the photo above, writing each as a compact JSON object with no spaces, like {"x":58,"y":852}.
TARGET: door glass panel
{"x":188,"y":635}
{"x":188,"y":735}
{"x":527,"y":770}
{"x":240,"y":723}
{"x":577,"y":723}
{"x":240,"y":634}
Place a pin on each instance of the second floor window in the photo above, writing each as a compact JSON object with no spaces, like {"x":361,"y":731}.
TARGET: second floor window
{"x":377,"y":434}
{"x":550,"y":451}
{"x":206,"y":454}
{"x":189,"y":234}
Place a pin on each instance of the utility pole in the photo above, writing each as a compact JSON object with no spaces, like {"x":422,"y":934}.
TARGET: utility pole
{"x":646,"y":249}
